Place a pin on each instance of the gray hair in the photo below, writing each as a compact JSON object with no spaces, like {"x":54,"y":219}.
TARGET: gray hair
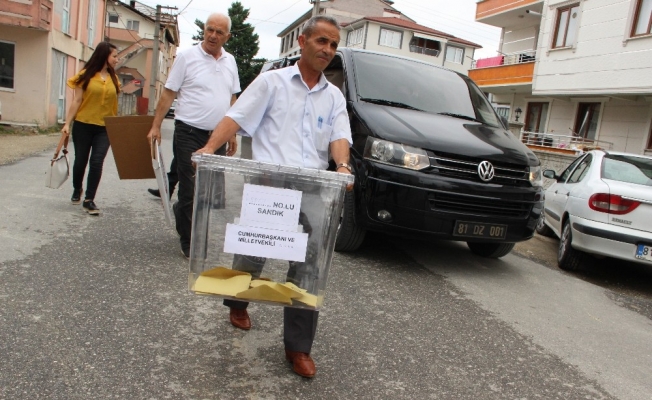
{"x":220,"y":15}
{"x":311,"y":25}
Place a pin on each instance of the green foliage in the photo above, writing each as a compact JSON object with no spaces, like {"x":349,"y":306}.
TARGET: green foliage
{"x":243,"y":44}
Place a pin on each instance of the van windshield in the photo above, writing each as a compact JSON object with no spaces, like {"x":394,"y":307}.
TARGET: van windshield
{"x":420,"y":86}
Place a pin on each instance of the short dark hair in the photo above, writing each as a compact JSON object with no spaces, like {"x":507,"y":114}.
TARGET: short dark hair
{"x":310,"y":26}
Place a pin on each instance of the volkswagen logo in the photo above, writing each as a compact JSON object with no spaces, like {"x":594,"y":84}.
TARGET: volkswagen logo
{"x":486,"y":171}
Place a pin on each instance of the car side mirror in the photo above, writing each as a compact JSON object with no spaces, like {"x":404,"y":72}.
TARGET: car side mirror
{"x":550,"y":174}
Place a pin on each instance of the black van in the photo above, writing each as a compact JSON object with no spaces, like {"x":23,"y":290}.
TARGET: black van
{"x":431,"y":157}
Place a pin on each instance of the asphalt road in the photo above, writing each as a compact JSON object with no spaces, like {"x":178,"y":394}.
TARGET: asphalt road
{"x":98,"y":308}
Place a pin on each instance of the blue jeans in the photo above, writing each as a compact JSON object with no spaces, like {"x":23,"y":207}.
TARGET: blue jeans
{"x":91,"y":146}
{"x":187,"y":140}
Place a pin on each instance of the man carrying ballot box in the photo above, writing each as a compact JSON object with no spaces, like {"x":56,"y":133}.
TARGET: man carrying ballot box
{"x":294,"y":117}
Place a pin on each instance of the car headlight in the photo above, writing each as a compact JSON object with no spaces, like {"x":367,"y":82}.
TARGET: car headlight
{"x":400,"y":155}
{"x":536,"y":178}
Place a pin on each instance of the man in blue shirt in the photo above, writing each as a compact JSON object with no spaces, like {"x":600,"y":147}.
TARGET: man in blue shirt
{"x":294,"y":117}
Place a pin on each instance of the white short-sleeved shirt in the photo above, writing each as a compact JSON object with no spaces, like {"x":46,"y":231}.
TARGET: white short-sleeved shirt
{"x":204,"y":86}
{"x":289,"y":123}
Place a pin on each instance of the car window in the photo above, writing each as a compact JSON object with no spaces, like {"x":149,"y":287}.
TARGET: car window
{"x":581,"y":170}
{"x":564,"y":176}
{"x":420,"y":86}
{"x":627,"y":168}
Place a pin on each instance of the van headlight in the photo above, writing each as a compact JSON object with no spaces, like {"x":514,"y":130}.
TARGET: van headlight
{"x":536,"y":179}
{"x":400,"y":155}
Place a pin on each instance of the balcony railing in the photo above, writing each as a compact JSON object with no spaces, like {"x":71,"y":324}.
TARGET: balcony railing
{"x":424,"y":50}
{"x":506,"y":59}
{"x":33,"y":14}
{"x":564,"y":142}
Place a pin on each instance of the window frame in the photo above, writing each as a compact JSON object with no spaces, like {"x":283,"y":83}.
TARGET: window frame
{"x":65,"y":17}
{"x":456,"y":48}
{"x":92,"y":15}
{"x":593,"y":108}
{"x":558,"y":18}
{"x":531,"y":106}
{"x":649,"y":138}
{"x":130,"y":25}
{"x":637,"y":15}
{"x":115,"y":16}
{"x":12,"y":66}
{"x":359,"y":35}
{"x":380,"y":37}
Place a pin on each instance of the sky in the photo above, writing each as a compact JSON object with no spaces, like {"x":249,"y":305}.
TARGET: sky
{"x":270,"y":17}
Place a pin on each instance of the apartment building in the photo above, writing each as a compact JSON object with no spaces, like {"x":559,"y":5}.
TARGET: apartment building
{"x":42,"y":44}
{"x":376,"y":25}
{"x":577,"y":68}
{"x":130,"y":25}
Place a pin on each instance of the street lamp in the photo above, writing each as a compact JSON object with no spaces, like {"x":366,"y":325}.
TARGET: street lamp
{"x":518,"y":112}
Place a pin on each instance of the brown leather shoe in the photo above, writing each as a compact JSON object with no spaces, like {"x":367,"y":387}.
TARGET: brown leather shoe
{"x":302,"y":363}
{"x":240,"y":319}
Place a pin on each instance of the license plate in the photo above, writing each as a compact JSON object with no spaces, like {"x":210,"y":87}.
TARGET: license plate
{"x":479,"y":230}
{"x":643,"y":252}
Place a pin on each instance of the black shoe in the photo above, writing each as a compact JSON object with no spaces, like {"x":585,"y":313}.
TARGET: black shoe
{"x":90,"y":207}
{"x":76,"y":196}
{"x":157,"y":193}
{"x":186,"y":253}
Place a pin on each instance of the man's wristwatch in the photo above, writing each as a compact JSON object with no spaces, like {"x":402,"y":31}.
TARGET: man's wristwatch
{"x":344,"y":165}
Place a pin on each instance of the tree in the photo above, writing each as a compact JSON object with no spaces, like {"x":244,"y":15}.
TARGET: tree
{"x":243,"y":44}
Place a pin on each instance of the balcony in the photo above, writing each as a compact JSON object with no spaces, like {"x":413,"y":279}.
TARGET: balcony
{"x":509,"y":13}
{"x":424,"y":50}
{"x":36,"y":15}
{"x":499,"y":74}
{"x":567,"y":144}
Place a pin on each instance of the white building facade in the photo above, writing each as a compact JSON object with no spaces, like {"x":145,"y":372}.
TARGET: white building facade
{"x":590,"y":68}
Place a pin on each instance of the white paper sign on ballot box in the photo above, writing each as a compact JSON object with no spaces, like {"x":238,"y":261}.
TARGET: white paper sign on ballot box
{"x":268,"y":225}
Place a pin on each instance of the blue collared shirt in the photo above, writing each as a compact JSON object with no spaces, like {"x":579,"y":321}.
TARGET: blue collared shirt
{"x":289,"y":123}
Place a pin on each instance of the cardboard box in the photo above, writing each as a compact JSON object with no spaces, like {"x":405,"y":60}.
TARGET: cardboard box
{"x":131,"y":149}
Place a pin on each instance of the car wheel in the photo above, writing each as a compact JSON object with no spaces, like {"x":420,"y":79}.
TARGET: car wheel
{"x":543,"y":229}
{"x":490,"y":250}
{"x":568,"y":258}
{"x":349,"y":235}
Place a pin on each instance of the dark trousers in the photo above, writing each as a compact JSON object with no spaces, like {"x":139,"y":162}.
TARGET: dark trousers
{"x":91,"y":146}
{"x":299,"y":325}
{"x":173,"y":178}
{"x":187,"y":140}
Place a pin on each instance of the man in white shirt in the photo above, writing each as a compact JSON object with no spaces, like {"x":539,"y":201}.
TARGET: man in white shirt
{"x":204,"y":79}
{"x":294,"y":116}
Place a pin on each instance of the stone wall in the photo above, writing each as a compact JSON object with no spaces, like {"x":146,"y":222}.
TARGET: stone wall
{"x":555,"y":161}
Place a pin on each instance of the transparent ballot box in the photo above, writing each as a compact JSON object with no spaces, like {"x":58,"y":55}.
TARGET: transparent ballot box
{"x":263,"y":232}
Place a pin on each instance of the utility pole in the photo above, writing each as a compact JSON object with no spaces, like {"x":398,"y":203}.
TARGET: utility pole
{"x":153,"y":78}
{"x":315,"y":7}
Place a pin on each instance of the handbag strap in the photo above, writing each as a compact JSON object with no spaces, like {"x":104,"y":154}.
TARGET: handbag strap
{"x":63,"y":143}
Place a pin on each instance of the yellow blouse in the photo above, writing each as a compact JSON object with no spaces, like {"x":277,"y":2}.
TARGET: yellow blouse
{"x":99,"y":100}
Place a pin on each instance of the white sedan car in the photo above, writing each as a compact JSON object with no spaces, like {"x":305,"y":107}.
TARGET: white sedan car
{"x":601,"y":204}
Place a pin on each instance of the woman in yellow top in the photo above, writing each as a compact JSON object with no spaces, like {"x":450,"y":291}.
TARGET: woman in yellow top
{"x":96,"y":89}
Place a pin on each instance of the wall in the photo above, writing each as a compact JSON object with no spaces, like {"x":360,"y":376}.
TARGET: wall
{"x":600,"y":62}
{"x":626,"y":124}
{"x":554,"y":161}
{"x":373,"y":36}
{"x":27,"y":102}
{"x":520,"y":40}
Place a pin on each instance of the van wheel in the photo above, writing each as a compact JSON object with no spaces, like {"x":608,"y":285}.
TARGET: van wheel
{"x":349,"y":235}
{"x":568,"y":258}
{"x":543,"y":229}
{"x":490,"y":250}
